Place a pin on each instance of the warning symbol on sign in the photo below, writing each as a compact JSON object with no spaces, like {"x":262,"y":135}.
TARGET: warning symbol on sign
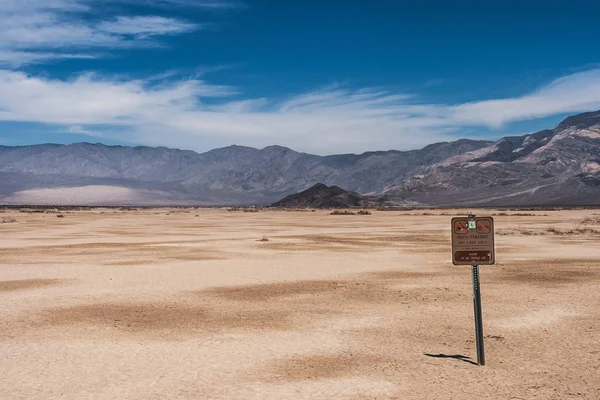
{"x":461,"y":227}
{"x":483,"y":226}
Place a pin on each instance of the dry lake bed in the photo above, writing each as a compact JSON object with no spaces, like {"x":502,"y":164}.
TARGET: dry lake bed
{"x":216,"y":304}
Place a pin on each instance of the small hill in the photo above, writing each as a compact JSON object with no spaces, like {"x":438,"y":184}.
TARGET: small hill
{"x":323,"y":196}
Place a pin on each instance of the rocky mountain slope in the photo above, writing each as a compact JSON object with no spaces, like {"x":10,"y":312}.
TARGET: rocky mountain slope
{"x":555,"y":166}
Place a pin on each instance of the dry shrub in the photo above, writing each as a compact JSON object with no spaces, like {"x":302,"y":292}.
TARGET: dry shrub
{"x":264,"y":239}
{"x":394,"y":208}
{"x":59,"y":216}
{"x":7,"y":220}
{"x":549,"y":231}
{"x":505,"y":214}
{"x":590,"y":221}
{"x":586,"y":231}
{"x":342,"y":212}
{"x":364,"y":212}
{"x":575,"y":231}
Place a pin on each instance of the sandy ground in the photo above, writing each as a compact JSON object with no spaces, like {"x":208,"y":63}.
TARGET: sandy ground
{"x":191,"y":304}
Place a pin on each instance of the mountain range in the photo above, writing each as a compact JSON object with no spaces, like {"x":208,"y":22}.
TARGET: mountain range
{"x":559,"y":166}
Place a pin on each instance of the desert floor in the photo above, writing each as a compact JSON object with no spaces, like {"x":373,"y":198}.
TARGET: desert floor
{"x":216,"y":304}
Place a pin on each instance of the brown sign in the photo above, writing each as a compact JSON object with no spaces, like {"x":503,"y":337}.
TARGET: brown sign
{"x":473,"y":241}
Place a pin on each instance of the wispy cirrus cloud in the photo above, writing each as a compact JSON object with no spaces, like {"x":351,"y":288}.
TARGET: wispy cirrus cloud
{"x":35,"y":31}
{"x":33,"y":6}
{"x":196,"y":114}
{"x":143,"y":27}
{"x":208,"y":4}
{"x":571,"y":93}
{"x":14,"y":59}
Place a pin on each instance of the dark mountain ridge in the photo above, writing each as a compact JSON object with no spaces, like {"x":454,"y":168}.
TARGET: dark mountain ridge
{"x":323,"y":196}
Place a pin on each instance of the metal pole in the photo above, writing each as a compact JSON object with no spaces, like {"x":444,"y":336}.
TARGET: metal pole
{"x":478,"y":318}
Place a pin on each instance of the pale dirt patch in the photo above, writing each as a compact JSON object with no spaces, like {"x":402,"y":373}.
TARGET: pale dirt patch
{"x":91,"y":194}
{"x":347,"y":388}
{"x":534,"y":319}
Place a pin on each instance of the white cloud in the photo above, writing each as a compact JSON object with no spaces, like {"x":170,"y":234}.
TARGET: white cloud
{"x":343,"y":99}
{"x":142,"y":27}
{"x":572,"y":93}
{"x":14,"y":59}
{"x":79,"y":130}
{"x":93,"y":100}
{"x":241,"y":106}
{"x":34,"y":31}
{"x":209,"y":4}
{"x":195,"y":114}
{"x":42,"y":5}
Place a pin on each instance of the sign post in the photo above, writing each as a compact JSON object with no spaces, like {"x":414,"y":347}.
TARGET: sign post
{"x":478,"y":318}
{"x":473,"y":244}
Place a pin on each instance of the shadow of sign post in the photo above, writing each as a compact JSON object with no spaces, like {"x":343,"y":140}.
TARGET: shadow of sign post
{"x":453,"y":356}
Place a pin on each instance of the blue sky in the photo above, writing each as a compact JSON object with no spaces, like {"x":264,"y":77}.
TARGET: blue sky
{"x":326,"y":76}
